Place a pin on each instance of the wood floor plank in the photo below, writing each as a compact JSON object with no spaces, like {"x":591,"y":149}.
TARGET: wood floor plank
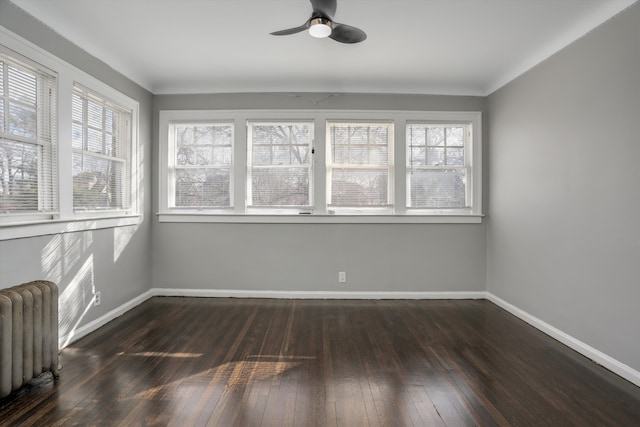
{"x":250,"y":362}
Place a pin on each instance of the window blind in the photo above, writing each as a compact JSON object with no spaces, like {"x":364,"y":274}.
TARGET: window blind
{"x":28,"y":138}
{"x":359,"y":165}
{"x":101,"y":142}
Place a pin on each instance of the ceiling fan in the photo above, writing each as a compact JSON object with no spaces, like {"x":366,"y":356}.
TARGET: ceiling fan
{"x":321,"y":24}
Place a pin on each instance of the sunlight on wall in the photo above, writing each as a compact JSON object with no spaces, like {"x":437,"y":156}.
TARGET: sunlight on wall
{"x":121,"y":238}
{"x":62,"y":255}
{"x":75,"y":301}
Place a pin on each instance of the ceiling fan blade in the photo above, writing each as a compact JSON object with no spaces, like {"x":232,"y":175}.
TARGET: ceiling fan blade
{"x":288,"y":31}
{"x":325,"y":8}
{"x":344,"y":33}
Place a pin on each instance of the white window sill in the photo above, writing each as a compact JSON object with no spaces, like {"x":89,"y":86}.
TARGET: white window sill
{"x":319,"y":219}
{"x":59,"y":226}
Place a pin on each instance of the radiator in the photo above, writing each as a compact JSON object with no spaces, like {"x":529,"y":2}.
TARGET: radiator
{"x":28,"y":333}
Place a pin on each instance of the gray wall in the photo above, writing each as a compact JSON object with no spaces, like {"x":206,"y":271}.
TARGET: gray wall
{"x":563,"y":231}
{"x":117,"y":260}
{"x":391,"y":257}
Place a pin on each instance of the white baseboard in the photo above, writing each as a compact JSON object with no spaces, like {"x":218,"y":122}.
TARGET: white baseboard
{"x":228,"y":293}
{"x":82,"y":331}
{"x":586,"y":350}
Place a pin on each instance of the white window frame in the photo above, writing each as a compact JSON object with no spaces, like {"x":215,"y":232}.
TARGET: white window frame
{"x":278,"y":209}
{"x":45,"y":140}
{"x":172,"y":167}
{"x":66,"y":220}
{"x":386,"y":209}
{"x":321,"y":213}
{"x":123,"y":158}
{"x":467,"y":166}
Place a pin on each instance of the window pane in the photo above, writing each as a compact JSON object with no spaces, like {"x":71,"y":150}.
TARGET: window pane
{"x":202,"y":188}
{"x":455,"y":156}
{"x":435,"y":136}
{"x":22,"y":121}
{"x":438,"y":188}
{"x":455,"y":136}
{"x":435,"y":156}
{"x":280,"y":187}
{"x":94,"y":141}
{"x":193,"y":156}
{"x":94,"y":114}
{"x":184,"y":135}
{"x":97,"y":183}
{"x":22,"y":86}
{"x":359,"y":187}
{"x":18,"y":176}
{"x":76,"y":136}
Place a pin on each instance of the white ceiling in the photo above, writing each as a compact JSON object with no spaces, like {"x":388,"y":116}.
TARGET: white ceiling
{"x":468,"y":47}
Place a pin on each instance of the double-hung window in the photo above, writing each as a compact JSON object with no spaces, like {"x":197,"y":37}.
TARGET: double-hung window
{"x":359,"y":167}
{"x":438,"y":166}
{"x":200,"y":165}
{"x":101,"y":141}
{"x":279,"y":169}
{"x":28,"y":166}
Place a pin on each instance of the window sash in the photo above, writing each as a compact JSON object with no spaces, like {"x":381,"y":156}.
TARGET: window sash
{"x":348,"y":185}
{"x":435,"y":180}
{"x":203,"y":185}
{"x":279,"y":165}
{"x":101,"y":153}
{"x":28,"y":140}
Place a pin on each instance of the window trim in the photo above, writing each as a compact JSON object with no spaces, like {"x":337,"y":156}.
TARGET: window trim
{"x":320,"y":215}
{"x":66,"y":220}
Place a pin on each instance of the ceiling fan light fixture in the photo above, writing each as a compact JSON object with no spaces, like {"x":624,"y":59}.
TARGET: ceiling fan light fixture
{"x":320,"y":27}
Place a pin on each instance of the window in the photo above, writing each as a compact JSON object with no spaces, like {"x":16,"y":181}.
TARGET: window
{"x":201,"y":165}
{"x":101,"y":141}
{"x":359,"y":165}
{"x":279,"y":165}
{"x":438,"y":166}
{"x":28,"y":167}
{"x":320,"y":166}
{"x":68,"y":147}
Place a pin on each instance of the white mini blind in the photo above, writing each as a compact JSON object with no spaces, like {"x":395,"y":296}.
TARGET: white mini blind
{"x":28,"y":138}
{"x":359,"y":165}
{"x":280,"y":164}
{"x":101,"y":142}
{"x":201,"y":156}
{"x":438,"y":166}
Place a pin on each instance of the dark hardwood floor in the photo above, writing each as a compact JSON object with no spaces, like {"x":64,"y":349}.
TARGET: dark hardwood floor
{"x":252,"y":362}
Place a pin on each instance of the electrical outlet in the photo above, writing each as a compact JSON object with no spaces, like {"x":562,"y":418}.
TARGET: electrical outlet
{"x":342,"y":277}
{"x":97,"y":297}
